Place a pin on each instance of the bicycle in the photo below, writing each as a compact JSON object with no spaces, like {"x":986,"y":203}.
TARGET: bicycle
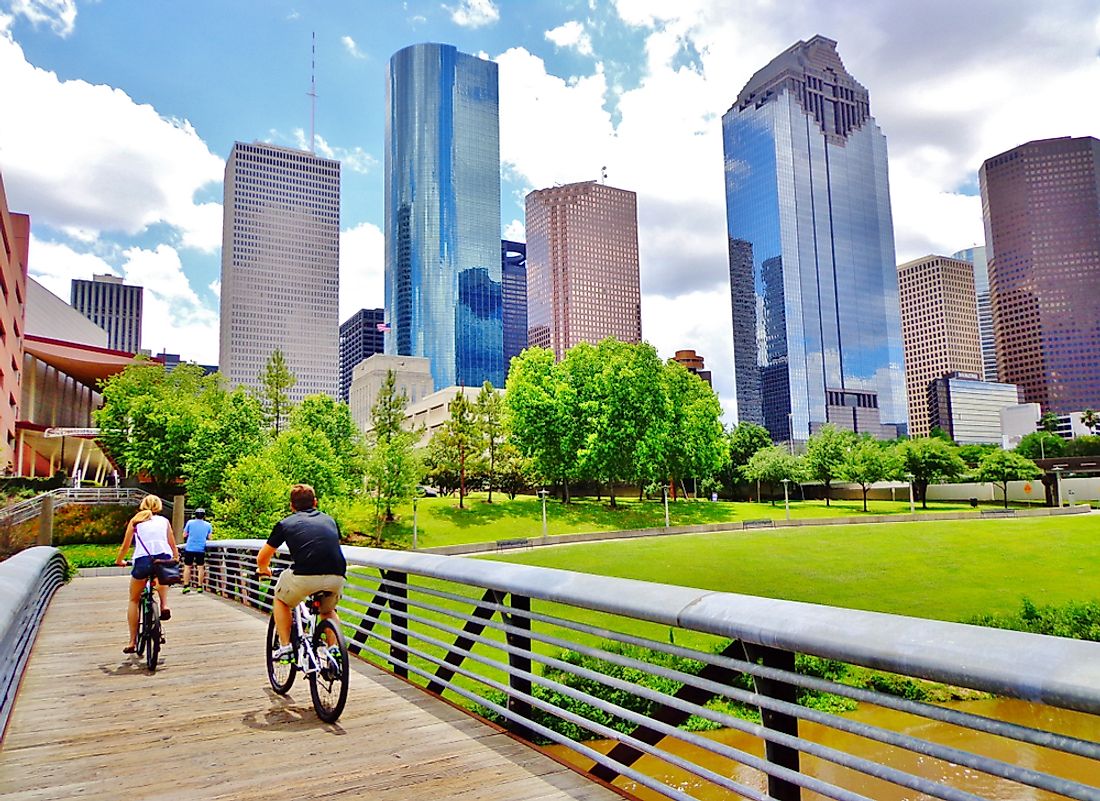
{"x":149,"y":633}
{"x":319,"y":652}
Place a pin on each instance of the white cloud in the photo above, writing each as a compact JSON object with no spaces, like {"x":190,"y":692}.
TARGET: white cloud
{"x":215,"y":286}
{"x":55,"y":265}
{"x":355,"y":159}
{"x":571,"y":34}
{"x":86,"y":158}
{"x":60,"y":15}
{"x":362,"y":269}
{"x":516,"y":231}
{"x":352,"y":48}
{"x":473,"y":13}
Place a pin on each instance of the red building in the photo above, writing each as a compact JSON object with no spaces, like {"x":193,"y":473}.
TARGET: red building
{"x":15,"y":230}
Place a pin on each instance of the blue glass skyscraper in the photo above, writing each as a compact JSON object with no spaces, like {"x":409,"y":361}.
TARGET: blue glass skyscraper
{"x":442,"y":226}
{"x":816,"y":321}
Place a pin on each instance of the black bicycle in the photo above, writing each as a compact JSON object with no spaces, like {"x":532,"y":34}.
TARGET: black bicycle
{"x":319,"y":651}
{"x":149,"y":633}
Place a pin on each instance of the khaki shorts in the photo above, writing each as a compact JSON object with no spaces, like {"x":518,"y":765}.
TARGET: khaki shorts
{"x":292,"y":589}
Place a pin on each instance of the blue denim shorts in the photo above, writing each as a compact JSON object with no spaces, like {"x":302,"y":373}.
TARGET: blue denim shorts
{"x":143,"y":565}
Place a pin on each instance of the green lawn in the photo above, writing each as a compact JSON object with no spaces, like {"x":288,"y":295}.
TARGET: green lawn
{"x":441,"y":522}
{"x":950,"y":570}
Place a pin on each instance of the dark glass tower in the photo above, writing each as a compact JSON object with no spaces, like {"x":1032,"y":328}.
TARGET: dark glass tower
{"x":360,"y":337}
{"x":442,"y":227}
{"x":113,"y":306}
{"x":513,"y":267}
{"x":817,"y":332}
{"x":1041,"y":203}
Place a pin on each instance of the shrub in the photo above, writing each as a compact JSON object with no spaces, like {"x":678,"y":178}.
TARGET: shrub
{"x":1079,"y":621}
{"x":80,"y":523}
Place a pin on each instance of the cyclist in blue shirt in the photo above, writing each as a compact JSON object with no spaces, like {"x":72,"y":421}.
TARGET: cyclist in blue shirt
{"x":198,"y":531}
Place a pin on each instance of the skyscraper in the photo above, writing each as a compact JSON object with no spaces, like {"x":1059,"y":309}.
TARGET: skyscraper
{"x":113,"y":306}
{"x":280,"y":267}
{"x":513,"y":272}
{"x":442,"y":219}
{"x":817,"y":335}
{"x":582,"y":266}
{"x":1041,"y":203}
{"x":360,"y":337}
{"x":939,"y":326}
{"x":976,"y":256}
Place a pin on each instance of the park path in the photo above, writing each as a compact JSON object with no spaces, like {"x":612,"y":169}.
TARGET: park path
{"x":91,"y":722}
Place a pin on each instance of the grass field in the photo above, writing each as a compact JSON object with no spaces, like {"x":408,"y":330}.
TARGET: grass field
{"x":950,"y":570}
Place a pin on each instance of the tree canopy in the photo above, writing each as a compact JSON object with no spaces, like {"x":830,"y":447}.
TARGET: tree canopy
{"x":825,"y":453}
{"x":1001,"y":466}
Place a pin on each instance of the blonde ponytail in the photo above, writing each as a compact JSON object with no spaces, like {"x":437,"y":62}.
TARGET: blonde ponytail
{"x":150,"y":505}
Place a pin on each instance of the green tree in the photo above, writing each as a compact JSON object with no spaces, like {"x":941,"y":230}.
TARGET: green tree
{"x":973,"y":453}
{"x":304,"y":456}
{"x":490,"y":415}
{"x":1090,"y":419}
{"x":275,"y":380}
{"x":234,"y":430}
{"x":333,"y":419}
{"x":255,"y":497}
{"x":928,"y":460}
{"x":771,"y":465}
{"x":516,"y":471}
{"x":1002,"y":466}
{"x":460,"y":437}
{"x":825,"y":455}
{"x":867,"y":462}
{"x":1049,"y":422}
{"x":1083,"y":446}
{"x":1041,"y":445}
{"x":393,"y":468}
{"x":696,"y":442}
{"x":743,"y":441}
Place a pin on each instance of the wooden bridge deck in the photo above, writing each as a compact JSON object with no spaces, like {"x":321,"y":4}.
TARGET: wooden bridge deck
{"x":90,"y":722}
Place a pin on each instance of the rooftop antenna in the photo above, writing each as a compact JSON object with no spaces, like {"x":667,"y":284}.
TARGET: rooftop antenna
{"x":312,"y":88}
{"x":603,"y":174}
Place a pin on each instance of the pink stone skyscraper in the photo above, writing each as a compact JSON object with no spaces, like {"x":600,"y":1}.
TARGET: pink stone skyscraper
{"x":582,"y":266}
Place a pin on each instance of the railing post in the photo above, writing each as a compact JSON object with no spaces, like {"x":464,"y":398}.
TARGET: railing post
{"x":397,"y":618}
{"x":519,"y":661}
{"x":782,"y":755}
{"x":45,"y":521}
{"x":178,"y":516}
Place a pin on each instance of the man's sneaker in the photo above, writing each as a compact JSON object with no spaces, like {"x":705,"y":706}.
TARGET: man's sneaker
{"x":282,"y":654}
{"x":198,"y":590}
{"x":186,"y":590}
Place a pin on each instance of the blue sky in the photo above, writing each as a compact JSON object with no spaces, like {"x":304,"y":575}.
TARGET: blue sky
{"x":118,"y":117}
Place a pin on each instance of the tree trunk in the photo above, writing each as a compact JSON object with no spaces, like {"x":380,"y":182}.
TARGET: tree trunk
{"x":922,"y":488}
{"x":828,"y":484}
{"x":492,"y":454}
{"x":864,"y":498}
{"x":611,"y":493}
{"x":461,"y":479}
{"x":1004,"y":488}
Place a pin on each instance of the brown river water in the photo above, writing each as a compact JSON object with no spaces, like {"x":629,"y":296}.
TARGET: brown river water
{"x":1082,"y":726}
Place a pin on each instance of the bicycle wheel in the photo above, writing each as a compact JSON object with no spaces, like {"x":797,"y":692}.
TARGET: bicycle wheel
{"x":280,"y":674}
{"x":152,"y":638}
{"x":329,"y":685}
{"x":143,"y":626}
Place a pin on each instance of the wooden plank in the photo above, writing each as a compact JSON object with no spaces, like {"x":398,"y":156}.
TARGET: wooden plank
{"x":91,"y":722}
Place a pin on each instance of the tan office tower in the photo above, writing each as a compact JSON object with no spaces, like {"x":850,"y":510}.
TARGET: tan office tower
{"x":939,"y":328}
{"x":582,"y":266}
{"x":280,"y":267}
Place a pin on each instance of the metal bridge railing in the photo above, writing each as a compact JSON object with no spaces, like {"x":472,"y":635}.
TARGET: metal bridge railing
{"x":28,"y":581}
{"x":507,"y":639}
{"x":29,"y":509}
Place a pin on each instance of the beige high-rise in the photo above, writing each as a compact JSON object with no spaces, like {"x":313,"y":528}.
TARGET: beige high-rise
{"x":939,"y":328}
{"x":582,"y":266}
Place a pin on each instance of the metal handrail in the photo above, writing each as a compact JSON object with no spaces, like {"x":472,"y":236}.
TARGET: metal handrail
{"x":28,"y":581}
{"x":29,"y":509}
{"x":492,"y":635}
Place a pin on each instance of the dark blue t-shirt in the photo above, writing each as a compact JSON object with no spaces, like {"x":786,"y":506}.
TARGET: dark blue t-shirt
{"x":314,"y":542}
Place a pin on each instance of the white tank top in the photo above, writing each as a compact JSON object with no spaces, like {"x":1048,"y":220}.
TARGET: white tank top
{"x":151,"y":537}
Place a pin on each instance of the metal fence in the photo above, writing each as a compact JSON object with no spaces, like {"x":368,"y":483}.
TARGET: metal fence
{"x":561,"y":657}
{"x":29,"y":509}
{"x":28,"y":581}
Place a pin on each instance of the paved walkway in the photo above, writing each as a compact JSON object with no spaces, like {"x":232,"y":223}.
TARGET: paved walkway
{"x":91,"y":723}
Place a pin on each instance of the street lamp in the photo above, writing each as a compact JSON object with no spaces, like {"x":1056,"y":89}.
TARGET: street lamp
{"x":664,"y":494}
{"x":786,"y":501}
{"x":912,"y":507}
{"x":416,"y":497}
{"x":542,"y":494}
{"x":1058,"y":483}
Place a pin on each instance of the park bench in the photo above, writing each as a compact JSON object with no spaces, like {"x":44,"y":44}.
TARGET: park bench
{"x":516,"y":543}
{"x":758,"y":524}
{"x":998,"y":512}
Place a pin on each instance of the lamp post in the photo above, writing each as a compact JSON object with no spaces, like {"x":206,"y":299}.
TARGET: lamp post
{"x":416,"y":498}
{"x":786,"y":501}
{"x":542,"y":494}
{"x":790,"y":431}
{"x":912,"y":506}
{"x":1058,"y":483}
{"x":664,"y":494}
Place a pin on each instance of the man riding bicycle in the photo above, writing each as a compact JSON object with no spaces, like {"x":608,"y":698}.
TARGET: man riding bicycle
{"x":313,"y":539}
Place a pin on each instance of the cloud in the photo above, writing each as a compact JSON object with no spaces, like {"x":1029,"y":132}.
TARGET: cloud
{"x":362,"y":269}
{"x":473,"y":13}
{"x":356,"y":159}
{"x":571,"y":34}
{"x":60,"y":15}
{"x":88,"y":159}
{"x":515,"y":231}
{"x":351,"y":47}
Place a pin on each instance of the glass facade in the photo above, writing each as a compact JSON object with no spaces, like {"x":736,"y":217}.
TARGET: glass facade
{"x":360,"y":338}
{"x":976,"y":256}
{"x":812,"y":276}
{"x":513,"y":266}
{"x":442,"y":225}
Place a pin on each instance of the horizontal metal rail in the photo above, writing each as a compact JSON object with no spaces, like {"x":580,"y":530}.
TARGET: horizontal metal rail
{"x":28,"y":581}
{"x":562,"y":657}
{"x":30,"y":509}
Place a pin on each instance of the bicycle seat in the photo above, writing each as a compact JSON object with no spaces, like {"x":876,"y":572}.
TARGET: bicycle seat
{"x":316,"y":598}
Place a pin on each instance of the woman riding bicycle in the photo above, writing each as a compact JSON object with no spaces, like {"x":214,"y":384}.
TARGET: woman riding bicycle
{"x":152,"y":537}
